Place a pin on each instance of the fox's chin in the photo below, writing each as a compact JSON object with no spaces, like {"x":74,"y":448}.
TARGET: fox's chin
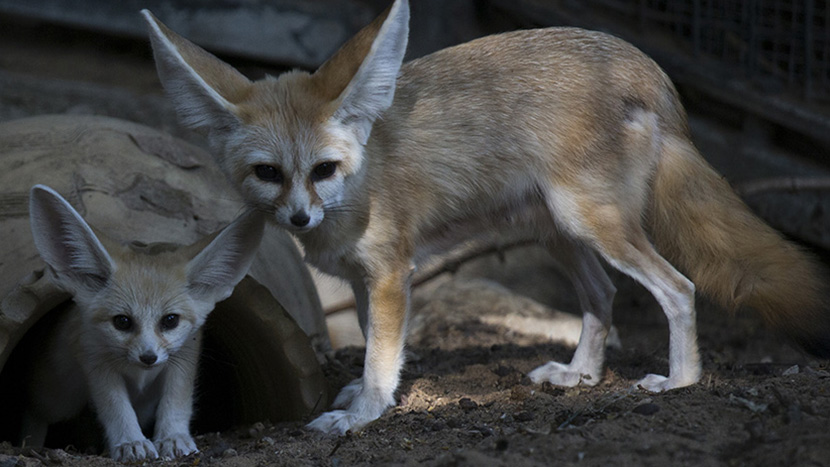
{"x":146,"y":367}
{"x":299,"y":229}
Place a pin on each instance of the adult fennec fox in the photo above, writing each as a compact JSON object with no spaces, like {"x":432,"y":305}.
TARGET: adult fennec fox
{"x":571,"y":134}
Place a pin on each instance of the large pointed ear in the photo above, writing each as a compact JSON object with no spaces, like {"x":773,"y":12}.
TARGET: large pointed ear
{"x":203,"y":88}
{"x":66,"y":243}
{"x":214,"y":272}
{"x":364,"y":71}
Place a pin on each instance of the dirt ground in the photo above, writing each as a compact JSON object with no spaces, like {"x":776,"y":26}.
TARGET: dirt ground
{"x":465,"y":399}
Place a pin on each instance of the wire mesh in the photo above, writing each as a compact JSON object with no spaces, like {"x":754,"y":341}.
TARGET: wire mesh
{"x":779,"y":45}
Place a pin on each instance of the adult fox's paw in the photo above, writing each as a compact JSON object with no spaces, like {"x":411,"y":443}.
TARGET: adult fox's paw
{"x":360,"y":406}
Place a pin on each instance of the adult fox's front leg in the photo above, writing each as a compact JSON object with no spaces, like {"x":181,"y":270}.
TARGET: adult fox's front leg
{"x":366,"y":398}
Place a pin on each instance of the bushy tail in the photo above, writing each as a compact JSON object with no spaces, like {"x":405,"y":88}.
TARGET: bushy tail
{"x":700,"y":225}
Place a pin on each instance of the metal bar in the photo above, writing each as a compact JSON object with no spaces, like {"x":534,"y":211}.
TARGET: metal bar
{"x":791,"y":78}
{"x":808,"y":49}
{"x":696,"y":26}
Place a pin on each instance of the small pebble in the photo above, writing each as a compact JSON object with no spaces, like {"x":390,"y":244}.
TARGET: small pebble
{"x":520,"y":393}
{"x":484,"y":430}
{"x":646,"y":409}
{"x":524,"y":416}
{"x":816,"y":373}
{"x":793,"y":370}
{"x":755,"y":430}
{"x":438,"y":426}
{"x":552,"y":390}
{"x":57,"y":456}
{"x":256,"y":430}
{"x":453,"y":423}
{"x":467,"y":404}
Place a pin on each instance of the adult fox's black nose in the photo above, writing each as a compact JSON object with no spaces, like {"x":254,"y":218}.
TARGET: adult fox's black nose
{"x":148,"y":358}
{"x":300,"y":219}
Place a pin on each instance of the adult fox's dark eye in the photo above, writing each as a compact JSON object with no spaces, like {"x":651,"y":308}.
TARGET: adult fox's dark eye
{"x":122,"y":322}
{"x":268,"y":173}
{"x":323,"y":171}
{"x":169,"y":322}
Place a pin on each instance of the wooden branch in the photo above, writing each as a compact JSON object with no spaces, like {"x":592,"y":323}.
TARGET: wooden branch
{"x":449,"y":263}
{"x":794,"y":184}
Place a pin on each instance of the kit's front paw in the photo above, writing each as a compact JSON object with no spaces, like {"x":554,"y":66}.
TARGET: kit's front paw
{"x":560,"y":374}
{"x":177,"y":445}
{"x":133,"y":451}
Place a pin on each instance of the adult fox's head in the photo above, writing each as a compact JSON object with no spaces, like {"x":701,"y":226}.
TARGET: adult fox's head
{"x":138,"y":306}
{"x":289,"y":143}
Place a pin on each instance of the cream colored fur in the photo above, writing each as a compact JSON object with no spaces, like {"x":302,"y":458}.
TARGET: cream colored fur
{"x":131,"y":344}
{"x":572,"y":134}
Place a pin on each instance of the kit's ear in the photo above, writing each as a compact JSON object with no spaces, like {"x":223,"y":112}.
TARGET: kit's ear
{"x":67,"y":244}
{"x":215,"y":270}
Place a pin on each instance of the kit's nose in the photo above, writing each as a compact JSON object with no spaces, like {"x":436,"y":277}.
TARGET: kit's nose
{"x":300,"y":219}
{"x":148,"y":358}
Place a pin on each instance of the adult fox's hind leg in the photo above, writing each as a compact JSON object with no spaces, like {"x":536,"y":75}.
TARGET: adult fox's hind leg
{"x":596,"y":294}
{"x":636,"y":257}
{"x":613,"y":229}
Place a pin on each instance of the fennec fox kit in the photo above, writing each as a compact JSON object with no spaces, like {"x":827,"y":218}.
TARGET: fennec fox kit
{"x":573,"y":135}
{"x":131,"y":344}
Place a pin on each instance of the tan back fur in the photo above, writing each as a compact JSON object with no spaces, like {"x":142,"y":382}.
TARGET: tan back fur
{"x":506,"y":120}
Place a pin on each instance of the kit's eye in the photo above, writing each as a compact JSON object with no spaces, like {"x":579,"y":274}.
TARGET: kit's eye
{"x":268,"y":173}
{"x":169,"y":322}
{"x":323,"y":171}
{"x":122,"y":323}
